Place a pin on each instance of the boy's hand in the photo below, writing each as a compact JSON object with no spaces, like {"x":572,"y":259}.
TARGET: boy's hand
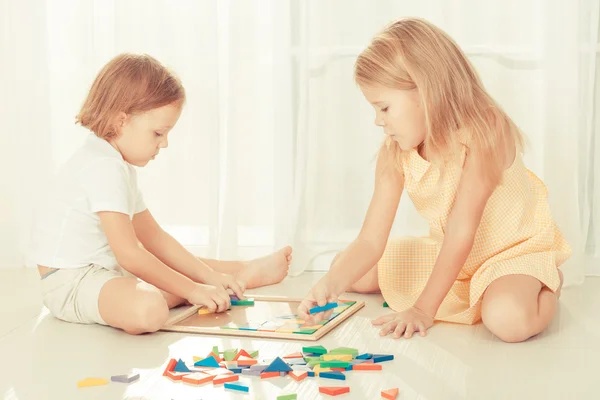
{"x":214,"y":298}
{"x":226,"y":281}
{"x":404,"y":323}
{"x":321,"y":294}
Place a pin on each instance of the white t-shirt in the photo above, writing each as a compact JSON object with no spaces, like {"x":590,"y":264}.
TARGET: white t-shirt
{"x":67,"y":232}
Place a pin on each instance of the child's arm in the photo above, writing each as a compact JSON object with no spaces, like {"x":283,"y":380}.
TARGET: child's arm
{"x":471,"y":198}
{"x":174,"y":255}
{"x":366,"y":250}
{"x":143,"y":264}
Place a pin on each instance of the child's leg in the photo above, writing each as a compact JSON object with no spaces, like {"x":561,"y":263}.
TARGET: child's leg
{"x":517,"y":307}
{"x":369,"y":283}
{"x":135,"y":306}
{"x":263,"y":271}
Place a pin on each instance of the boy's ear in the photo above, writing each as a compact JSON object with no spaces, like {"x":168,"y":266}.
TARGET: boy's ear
{"x":120,"y":119}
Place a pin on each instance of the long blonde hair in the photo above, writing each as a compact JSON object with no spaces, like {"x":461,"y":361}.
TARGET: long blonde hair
{"x":414,"y":54}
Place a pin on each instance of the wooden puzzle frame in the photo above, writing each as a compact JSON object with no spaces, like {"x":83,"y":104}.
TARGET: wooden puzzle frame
{"x":176,"y":323}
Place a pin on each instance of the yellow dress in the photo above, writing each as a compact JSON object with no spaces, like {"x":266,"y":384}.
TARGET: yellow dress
{"x":517,"y":235}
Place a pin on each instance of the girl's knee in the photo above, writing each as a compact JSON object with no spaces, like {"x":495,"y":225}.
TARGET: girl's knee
{"x":149,"y":314}
{"x":509,"y":320}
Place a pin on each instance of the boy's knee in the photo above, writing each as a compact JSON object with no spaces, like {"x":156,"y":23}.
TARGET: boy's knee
{"x":149,"y":314}
{"x":508,"y":320}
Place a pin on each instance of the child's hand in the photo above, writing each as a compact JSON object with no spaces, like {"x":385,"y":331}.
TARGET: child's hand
{"x":404,"y":323}
{"x":321,"y":294}
{"x":226,"y":282}
{"x":214,"y":298}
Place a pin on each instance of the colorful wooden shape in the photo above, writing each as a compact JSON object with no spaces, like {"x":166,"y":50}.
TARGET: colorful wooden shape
{"x":172,"y":363}
{"x":367,"y":367}
{"x":337,"y":357}
{"x":253,"y":354}
{"x":181,"y":367}
{"x":197,"y":378}
{"x":333,"y":375}
{"x":258,"y":367}
{"x":87,"y":382}
{"x":218,"y":372}
{"x":365,"y":356}
{"x":294,"y":355}
{"x":235,"y":370}
{"x":377,"y":358}
{"x":247,"y":302}
{"x":319,"y":309}
{"x":311,"y":374}
{"x":208,"y":362}
{"x":345,"y":350}
{"x":125,"y":378}
{"x":385,"y":304}
{"x":291,"y":396}
{"x":334,"y":391}
{"x":278,"y":365}
{"x":176,"y":376}
{"x":318,"y":369}
{"x":389,"y":394}
{"x":229,"y":355}
{"x":216,"y":356}
{"x":223,"y":379}
{"x":238,"y":387}
{"x":265,"y":375}
{"x":242,"y":353}
{"x":298,"y":375}
{"x":334,"y":364}
{"x":252,"y":372}
{"x":315,"y":350}
{"x":246,"y":361}
{"x":204,"y":311}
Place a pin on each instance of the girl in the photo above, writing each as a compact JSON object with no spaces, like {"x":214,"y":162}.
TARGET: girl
{"x":493,"y":252}
{"x":95,"y":237}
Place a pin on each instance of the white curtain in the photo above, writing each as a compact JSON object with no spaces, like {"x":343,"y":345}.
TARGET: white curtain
{"x":276,"y":145}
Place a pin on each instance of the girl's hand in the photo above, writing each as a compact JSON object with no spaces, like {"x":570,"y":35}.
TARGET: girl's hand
{"x":213,"y":298}
{"x":225,"y":281}
{"x":404,"y":323}
{"x":321,"y":294}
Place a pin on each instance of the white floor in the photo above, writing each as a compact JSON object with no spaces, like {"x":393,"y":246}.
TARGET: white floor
{"x":43,"y":358}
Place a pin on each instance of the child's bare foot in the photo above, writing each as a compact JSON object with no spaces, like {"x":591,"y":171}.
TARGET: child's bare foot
{"x":560,"y":274}
{"x":266,"y":270}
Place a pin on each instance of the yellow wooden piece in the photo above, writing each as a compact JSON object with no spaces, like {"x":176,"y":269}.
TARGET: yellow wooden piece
{"x":196,"y":359}
{"x":337,"y":357}
{"x":204,"y":311}
{"x":92,"y":382}
{"x":317,"y":370}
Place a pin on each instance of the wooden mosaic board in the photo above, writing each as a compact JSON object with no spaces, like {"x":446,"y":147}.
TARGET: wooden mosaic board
{"x":270,"y":317}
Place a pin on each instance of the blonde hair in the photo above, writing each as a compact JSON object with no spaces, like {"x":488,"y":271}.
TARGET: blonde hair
{"x":414,"y":54}
{"x":128,"y":83}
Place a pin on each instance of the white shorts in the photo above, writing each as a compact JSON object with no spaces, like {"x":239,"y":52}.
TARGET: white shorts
{"x":72,"y":294}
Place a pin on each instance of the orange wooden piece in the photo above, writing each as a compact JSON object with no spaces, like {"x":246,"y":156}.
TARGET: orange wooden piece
{"x":367,"y":367}
{"x":334,"y":391}
{"x":390,"y":394}
{"x":298,"y":375}
{"x":197,"y":378}
{"x":339,"y":369}
{"x":266,"y":375}
{"x":242,"y":353}
{"x":170,"y":366}
{"x":176,"y":376}
{"x":294,"y":355}
{"x":244,"y":361}
{"x":224,"y":379}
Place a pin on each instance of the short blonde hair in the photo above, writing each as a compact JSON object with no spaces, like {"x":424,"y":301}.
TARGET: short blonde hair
{"x":412,"y":53}
{"x":129,"y":83}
